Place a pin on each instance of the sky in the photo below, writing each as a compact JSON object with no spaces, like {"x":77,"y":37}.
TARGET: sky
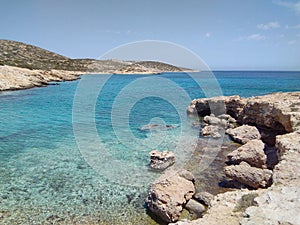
{"x":225,"y":34}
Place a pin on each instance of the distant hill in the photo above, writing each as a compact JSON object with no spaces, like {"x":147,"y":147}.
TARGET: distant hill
{"x":13,"y":53}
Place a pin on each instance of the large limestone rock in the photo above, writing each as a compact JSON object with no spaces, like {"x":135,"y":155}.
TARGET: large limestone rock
{"x":252,"y":153}
{"x":251,"y":176}
{"x":277,"y":111}
{"x":161,"y":160}
{"x":244,"y":133}
{"x":167,"y":197}
{"x":217,"y":105}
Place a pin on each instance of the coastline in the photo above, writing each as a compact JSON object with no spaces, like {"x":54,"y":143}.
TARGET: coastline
{"x":279,"y":203}
{"x":16,"y":78}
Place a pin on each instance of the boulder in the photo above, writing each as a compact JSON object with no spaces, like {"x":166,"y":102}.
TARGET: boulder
{"x":167,"y":197}
{"x":211,"y":131}
{"x":161,"y":160}
{"x":250,"y":176}
{"x":212,"y":120}
{"x":244,"y":133}
{"x":252,"y":153}
{"x":204,"y":197}
{"x":195,"y":207}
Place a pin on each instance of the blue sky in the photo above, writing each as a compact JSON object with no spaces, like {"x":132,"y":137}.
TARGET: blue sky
{"x":226,"y":34}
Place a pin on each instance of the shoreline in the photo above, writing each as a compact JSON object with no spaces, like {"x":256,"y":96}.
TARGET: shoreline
{"x":17,"y":78}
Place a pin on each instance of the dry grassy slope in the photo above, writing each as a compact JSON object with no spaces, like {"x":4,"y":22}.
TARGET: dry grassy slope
{"x":22,"y":55}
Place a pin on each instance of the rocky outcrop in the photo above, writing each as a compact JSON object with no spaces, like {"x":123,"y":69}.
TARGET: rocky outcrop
{"x":14,"y":78}
{"x":244,"y":133}
{"x":277,"y":111}
{"x":167,"y":196}
{"x":211,"y":131}
{"x":161,"y":160}
{"x":288,"y":169}
{"x":250,"y":176}
{"x":213,"y":126}
{"x":252,"y":153}
{"x":278,"y":204}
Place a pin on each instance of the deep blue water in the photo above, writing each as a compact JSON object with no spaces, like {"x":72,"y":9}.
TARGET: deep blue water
{"x":75,"y":153}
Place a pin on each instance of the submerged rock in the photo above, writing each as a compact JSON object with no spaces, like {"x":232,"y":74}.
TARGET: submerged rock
{"x":167,"y":197}
{"x":244,"y":133}
{"x":161,"y":160}
{"x":250,"y":176}
{"x":252,"y":153}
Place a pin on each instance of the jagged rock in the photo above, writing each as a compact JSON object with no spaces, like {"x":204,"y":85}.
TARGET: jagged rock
{"x":288,"y":149}
{"x":244,"y":133}
{"x":252,"y":153}
{"x":211,"y":131}
{"x":214,"y":126}
{"x":217,"y":105}
{"x":277,"y":111}
{"x":288,"y":142}
{"x":204,"y":197}
{"x":212,"y":120}
{"x":167,"y":197}
{"x":195,"y":207}
{"x":161,"y":160}
{"x":251,"y":176}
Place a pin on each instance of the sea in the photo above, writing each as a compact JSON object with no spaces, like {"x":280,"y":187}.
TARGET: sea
{"x":77,"y":152}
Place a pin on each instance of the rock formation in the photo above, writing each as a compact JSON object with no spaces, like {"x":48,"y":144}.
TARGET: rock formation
{"x":161,"y":160}
{"x":277,"y":111}
{"x":278,"y":204}
{"x":251,"y":176}
{"x":244,"y":133}
{"x":167,"y":196}
{"x":252,"y":153}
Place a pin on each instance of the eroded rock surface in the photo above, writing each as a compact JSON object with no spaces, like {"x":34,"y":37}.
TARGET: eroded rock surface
{"x":252,"y":153}
{"x":168,"y":196}
{"x":277,"y":111}
{"x":251,"y":176}
{"x":244,"y":133}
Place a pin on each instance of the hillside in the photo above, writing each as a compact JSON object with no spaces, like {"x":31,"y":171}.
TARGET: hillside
{"x":25,"y":66}
{"x":22,"y":55}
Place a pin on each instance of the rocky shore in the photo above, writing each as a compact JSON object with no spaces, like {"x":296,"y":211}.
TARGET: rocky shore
{"x":15,"y":78}
{"x":264,"y":169}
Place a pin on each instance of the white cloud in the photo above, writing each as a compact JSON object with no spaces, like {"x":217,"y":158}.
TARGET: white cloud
{"x":252,"y":37}
{"x":208,"y":35}
{"x":256,"y":37}
{"x":297,"y":26}
{"x":298,"y":35}
{"x":291,"y":5}
{"x":268,"y":26}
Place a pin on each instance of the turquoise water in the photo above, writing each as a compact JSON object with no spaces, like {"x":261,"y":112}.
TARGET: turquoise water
{"x":54,"y":170}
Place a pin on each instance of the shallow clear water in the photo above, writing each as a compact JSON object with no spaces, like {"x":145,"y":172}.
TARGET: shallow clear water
{"x":53,"y":169}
